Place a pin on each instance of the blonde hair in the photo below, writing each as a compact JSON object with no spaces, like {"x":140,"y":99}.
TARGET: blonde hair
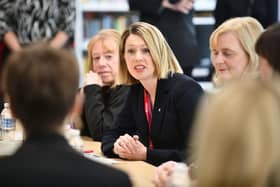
{"x":247,"y":30}
{"x":236,"y":140}
{"x":103,"y":35}
{"x":162,"y":55}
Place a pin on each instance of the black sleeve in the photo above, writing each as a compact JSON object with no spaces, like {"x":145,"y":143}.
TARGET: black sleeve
{"x":187,"y":106}
{"x":220,"y":12}
{"x":186,"y":102}
{"x":124,"y":124}
{"x":174,"y":1}
{"x":151,"y":7}
{"x":98,"y":116}
{"x":272,"y":12}
{"x":148,"y":6}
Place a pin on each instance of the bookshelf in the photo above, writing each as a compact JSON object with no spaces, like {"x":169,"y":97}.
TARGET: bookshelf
{"x":204,"y":25}
{"x":94,"y":15}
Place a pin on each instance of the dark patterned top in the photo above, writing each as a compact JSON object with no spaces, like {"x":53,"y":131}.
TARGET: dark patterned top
{"x":36,"y":20}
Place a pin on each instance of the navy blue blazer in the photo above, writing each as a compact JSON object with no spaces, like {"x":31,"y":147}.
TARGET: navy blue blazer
{"x":174,"y":109}
{"x":48,"y":160}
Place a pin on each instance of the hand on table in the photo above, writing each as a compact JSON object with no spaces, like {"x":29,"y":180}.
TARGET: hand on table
{"x":163,"y":173}
{"x":130,"y":148}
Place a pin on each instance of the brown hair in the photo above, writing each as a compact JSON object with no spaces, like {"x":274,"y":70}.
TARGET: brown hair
{"x":268,"y":46}
{"x":40,"y":83}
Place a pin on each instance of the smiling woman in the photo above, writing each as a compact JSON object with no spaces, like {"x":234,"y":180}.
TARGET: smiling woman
{"x":157,"y":117}
{"x":232,"y":49}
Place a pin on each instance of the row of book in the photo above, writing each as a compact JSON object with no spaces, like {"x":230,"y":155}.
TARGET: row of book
{"x":93,"y":22}
{"x":98,"y":1}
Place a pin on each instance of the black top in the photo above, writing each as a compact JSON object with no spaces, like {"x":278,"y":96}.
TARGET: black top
{"x":101,"y":108}
{"x":47,"y":159}
{"x":175,"y":105}
{"x":263,"y":10}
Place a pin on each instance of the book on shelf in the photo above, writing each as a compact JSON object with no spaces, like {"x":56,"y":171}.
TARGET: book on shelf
{"x":103,"y":1}
{"x":107,"y":21}
{"x":120,"y":23}
{"x":85,"y":64}
{"x":94,"y":22}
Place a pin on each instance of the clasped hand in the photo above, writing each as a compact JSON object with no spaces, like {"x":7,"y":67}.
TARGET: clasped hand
{"x":130,"y":147}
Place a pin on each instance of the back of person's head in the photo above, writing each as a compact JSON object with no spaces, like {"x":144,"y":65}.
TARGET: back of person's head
{"x":41,"y":83}
{"x":236,"y":140}
{"x":247,"y":31}
{"x":268,"y":46}
{"x":163,"y":57}
{"x":106,"y":34}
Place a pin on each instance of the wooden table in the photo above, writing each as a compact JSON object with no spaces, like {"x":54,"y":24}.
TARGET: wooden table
{"x":140,"y":172}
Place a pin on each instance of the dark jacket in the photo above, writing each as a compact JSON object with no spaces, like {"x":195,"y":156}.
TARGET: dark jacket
{"x":174,"y":108}
{"x":263,"y":10}
{"x":48,"y":160}
{"x":101,"y":108}
{"x":177,"y":28}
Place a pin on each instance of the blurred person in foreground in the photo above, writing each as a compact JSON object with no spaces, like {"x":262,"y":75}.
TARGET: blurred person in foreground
{"x":41,"y":84}
{"x":237,"y":146}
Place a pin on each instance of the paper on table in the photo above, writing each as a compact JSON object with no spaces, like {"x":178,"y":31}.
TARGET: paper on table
{"x":8,"y":147}
{"x":100,"y":159}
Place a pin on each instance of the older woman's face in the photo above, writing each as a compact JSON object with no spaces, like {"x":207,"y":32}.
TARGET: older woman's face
{"x":105,"y":55}
{"x":228,"y":57}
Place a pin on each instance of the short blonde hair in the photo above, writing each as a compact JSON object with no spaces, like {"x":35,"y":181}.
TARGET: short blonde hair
{"x":162,"y":55}
{"x":236,"y":140}
{"x":101,"y":36}
{"x":247,"y":30}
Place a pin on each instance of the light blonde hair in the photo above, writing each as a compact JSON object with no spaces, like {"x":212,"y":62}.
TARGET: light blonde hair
{"x":162,"y":55}
{"x":103,"y":35}
{"x":236,"y":138}
{"x":247,"y":31}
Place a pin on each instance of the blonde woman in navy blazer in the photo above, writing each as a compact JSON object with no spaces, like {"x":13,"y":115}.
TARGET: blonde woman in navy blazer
{"x":150,"y":67}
